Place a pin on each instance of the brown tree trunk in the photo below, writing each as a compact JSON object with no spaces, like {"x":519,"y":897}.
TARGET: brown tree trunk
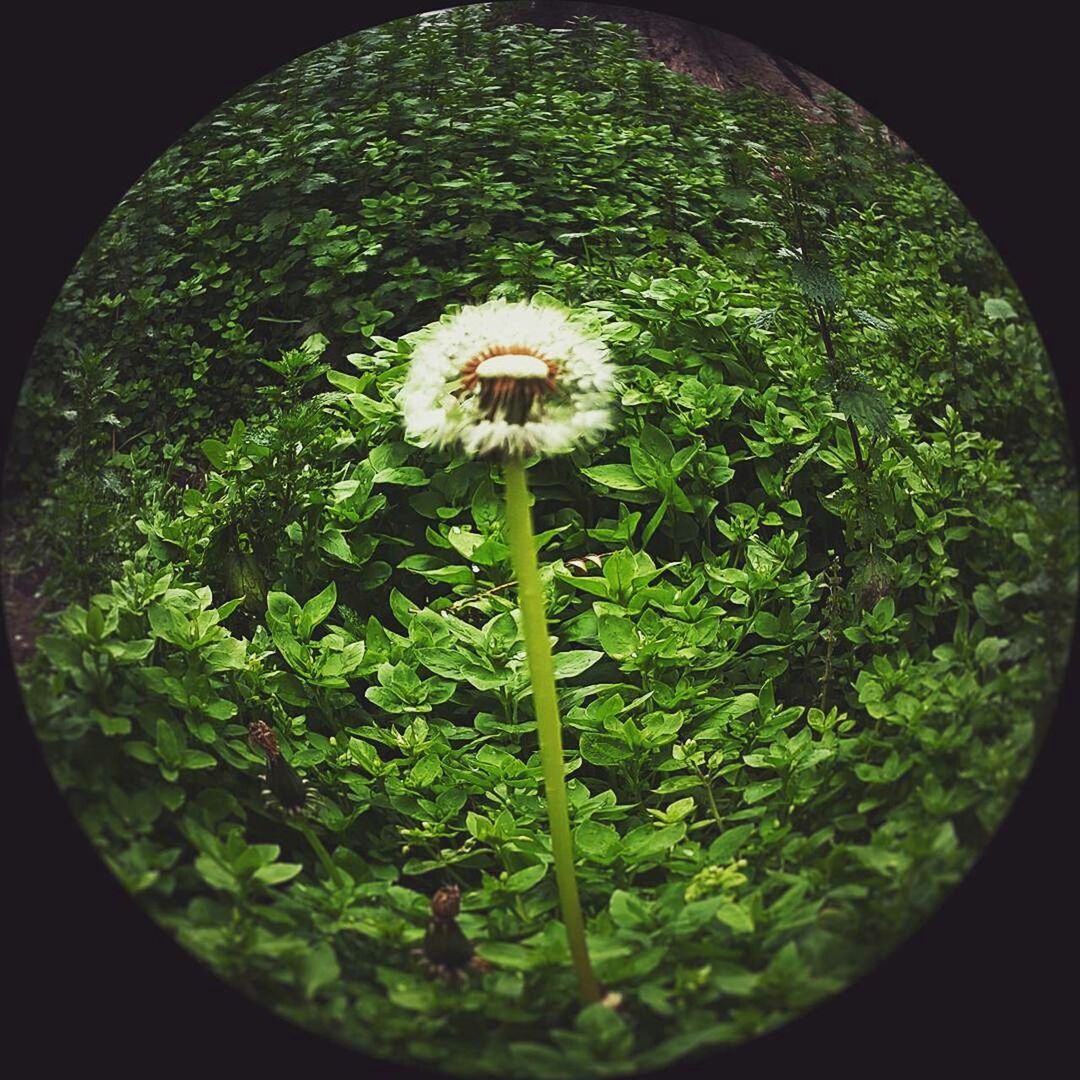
{"x":708,"y":55}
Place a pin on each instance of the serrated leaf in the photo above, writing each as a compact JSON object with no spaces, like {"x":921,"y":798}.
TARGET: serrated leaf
{"x":817,"y":282}
{"x":866,"y":405}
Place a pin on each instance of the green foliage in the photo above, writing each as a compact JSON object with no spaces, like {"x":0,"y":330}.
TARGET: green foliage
{"x":810,"y":601}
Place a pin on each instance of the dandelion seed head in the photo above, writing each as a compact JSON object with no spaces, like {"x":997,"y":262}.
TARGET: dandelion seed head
{"x":514,"y":378}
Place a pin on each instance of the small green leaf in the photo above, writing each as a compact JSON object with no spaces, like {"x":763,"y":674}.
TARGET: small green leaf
{"x":628,"y":910}
{"x":111,"y":725}
{"x":507,"y":954}
{"x":729,"y":841}
{"x":127,"y":652}
{"x":601,"y":748}
{"x":989,"y":649}
{"x":333,"y":542}
{"x":197,"y":759}
{"x":735,"y":915}
{"x":225,"y":654}
{"x":168,"y":743}
{"x":618,"y":636}
{"x":276,"y":873}
{"x":316,"y":610}
{"x":756,"y":792}
{"x":424,"y":773}
{"x":282,"y":608}
{"x":647,"y":842}
{"x":215,"y":875}
{"x":988,"y":605}
{"x":570,"y":664}
{"x":616,"y":477}
{"x":523,"y":880}
{"x":596,"y":841}
{"x":319,"y":967}
{"x":216,"y":452}
{"x":997,"y":309}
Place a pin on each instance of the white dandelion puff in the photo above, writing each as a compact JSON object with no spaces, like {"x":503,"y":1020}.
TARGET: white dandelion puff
{"x":509,"y":378}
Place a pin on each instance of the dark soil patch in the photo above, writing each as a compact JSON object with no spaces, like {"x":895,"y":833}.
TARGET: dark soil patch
{"x":23,"y":604}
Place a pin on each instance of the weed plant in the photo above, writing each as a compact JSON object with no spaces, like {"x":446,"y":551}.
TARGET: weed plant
{"x":811,"y":597}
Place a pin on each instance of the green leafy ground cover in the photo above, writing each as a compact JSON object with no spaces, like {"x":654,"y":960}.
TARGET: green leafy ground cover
{"x":811,"y":598}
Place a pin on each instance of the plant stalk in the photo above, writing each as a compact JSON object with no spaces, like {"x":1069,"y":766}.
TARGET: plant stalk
{"x":320,"y":850}
{"x":711,"y":798}
{"x":545,"y":703}
{"x":853,"y":431}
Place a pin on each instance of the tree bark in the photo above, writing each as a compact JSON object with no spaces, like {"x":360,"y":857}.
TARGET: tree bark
{"x":713,"y":58}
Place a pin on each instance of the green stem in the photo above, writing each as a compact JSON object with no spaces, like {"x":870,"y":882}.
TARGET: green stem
{"x":321,"y":852}
{"x":542,"y":673}
{"x":711,"y":799}
{"x":854,"y":432}
{"x":826,"y":678}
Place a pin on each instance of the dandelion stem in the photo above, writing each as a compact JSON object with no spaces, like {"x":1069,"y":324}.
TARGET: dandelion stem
{"x":545,"y":703}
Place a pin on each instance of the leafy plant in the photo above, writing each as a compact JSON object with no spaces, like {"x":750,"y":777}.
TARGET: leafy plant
{"x":811,"y":598}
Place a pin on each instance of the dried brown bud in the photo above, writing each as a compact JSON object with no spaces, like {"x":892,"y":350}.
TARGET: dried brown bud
{"x":261,"y":737}
{"x":446,"y":903}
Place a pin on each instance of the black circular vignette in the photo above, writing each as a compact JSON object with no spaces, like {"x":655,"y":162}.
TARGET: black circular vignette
{"x":96,"y":97}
